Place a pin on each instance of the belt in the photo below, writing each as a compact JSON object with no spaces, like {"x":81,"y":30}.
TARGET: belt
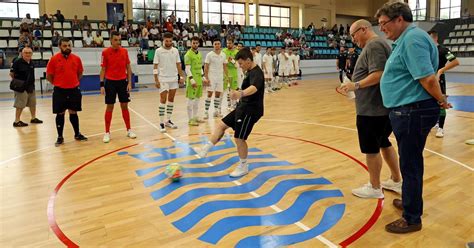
{"x":418,"y":104}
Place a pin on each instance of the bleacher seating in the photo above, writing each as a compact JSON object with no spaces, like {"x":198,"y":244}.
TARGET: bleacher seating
{"x":460,"y":40}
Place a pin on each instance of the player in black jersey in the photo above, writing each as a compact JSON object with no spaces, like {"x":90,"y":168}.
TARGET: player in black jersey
{"x":447,"y":61}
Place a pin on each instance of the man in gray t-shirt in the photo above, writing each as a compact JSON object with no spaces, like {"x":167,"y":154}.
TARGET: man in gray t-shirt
{"x":373,"y":123}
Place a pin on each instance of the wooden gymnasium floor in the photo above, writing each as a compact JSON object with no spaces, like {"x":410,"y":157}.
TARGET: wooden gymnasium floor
{"x":305,"y":162}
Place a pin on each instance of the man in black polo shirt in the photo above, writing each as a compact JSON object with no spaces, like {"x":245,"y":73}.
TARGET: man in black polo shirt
{"x":341,"y":61}
{"x":351,"y":59}
{"x":445,"y":56}
{"x":248,"y":111}
{"x":23,"y":69}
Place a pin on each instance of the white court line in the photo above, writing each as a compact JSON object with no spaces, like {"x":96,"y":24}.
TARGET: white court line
{"x":355,"y":130}
{"x":274,"y":207}
{"x":47,"y":147}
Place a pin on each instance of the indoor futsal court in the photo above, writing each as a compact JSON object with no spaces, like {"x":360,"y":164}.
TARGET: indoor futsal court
{"x":304,"y":158}
{"x":304,"y":163}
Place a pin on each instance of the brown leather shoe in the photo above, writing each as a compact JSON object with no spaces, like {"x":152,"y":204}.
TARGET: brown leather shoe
{"x":402,"y":226}
{"x":398,"y":204}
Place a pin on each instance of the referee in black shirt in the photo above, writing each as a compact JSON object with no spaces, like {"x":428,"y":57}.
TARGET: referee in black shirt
{"x":248,"y":111}
{"x":341,"y":62}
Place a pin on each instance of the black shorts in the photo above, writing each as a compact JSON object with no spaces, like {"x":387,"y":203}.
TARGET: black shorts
{"x":442,"y":84}
{"x":64,"y":99}
{"x":241,"y":122}
{"x":114,"y":88}
{"x":373,"y":133}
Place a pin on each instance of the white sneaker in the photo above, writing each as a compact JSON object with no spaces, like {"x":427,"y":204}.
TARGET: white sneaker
{"x":131,"y":134}
{"x":440,"y":133}
{"x":216,"y":114}
{"x":206,"y":115}
{"x":436,"y":126}
{"x":170,"y":124}
{"x":162,"y":128}
{"x":367,"y":191}
{"x":202,"y":152}
{"x":392,"y":185}
{"x":106,"y":138}
{"x":240,"y":170}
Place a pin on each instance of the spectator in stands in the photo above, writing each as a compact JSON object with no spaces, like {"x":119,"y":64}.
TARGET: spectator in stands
{"x":230,"y":26}
{"x":168,"y":26}
{"x":76,"y":24}
{"x":112,"y":29}
{"x":27,"y":19}
{"x":24,"y":28}
{"x":98,"y":39}
{"x":342,"y":43}
{"x":55,"y":39}
{"x":59,"y":17}
{"x":341,"y":29}
{"x":154,"y":33}
{"x":310,"y":26}
{"x":278,"y":35}
{"x":23,"y":69}
{"x":236,"y":34}
{"x":288,"y":41}
{"x":88,"y":41}
{"x":149,"y":23}
{"x":204,"y":36}
{"x":124,"y":32}
{"x":37,"y":32}
{"x":172,"y":17}
{"x":237,"y":25}
{"x":223,"y":26}
{"x":177,"y":33}
{"x":24,"y":40}
{"x":212,"y":33}
{"x":185,"y":34}
{"x":334,"y":29}
{"x":2,"y":59}
{"x":119,"y":18}
{"x":145,"y":38}
{"x":347,"y":29}
{"x":102,"y":25}
{"x":187,"y":25}
{"x":36,"y":44}
{"x":179,"y":24}
{"x":465,"y":16}
{"x":133,"y":41}
{"x":43,"y":18}
{"x":85,"y":24}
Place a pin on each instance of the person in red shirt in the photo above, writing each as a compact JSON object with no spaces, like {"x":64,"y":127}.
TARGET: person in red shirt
{"x":169,"y":26}
{"x":64,"y":71}
{"x":116,"y":80}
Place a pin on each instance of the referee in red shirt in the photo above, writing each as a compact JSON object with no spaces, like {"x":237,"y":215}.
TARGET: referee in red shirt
{"x":64,"y":71}
{"x":116,"y":80}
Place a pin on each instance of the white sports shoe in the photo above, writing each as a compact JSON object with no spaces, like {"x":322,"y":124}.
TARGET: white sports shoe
{"x":162,"y":128}
{"x":440,"y":133}
{"x":202,"y":152}
{"x":131,"y":134}
{"x":206,"y":115}
{"x":170,"y":124}
{"x":392,"y":185}
{"x":106,"y":138}
{"x":366,"y":191}
{"x":240,"y":170}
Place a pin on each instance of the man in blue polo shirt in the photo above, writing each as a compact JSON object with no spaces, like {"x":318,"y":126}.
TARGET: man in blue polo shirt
{"x":411,"y":91}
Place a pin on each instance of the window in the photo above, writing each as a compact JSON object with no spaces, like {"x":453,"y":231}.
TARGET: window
{"x":214,"y":12}
{"x":159,"y":9}
{"x":271,"y":16}
{"x":418,"y":9}
{"x":19,"y":8}
{"x":449,"y":9}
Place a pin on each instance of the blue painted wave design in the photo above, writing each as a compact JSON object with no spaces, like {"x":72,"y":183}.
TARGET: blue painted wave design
{"x":331,"y":216}
{"x":225,"y":178}
{"x":271,"y":198}
{"x":289,"y":216}
{"x":250,"y":186}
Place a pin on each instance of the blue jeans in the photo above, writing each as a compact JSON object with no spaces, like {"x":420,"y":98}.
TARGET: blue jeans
{"x":411,"y":125}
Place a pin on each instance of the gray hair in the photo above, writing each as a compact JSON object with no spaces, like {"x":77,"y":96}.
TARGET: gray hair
{"x":394,"y":10}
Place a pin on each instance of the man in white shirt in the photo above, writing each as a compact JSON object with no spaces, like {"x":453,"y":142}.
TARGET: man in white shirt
{"x":27,"y":20}
{"x":154,"y":33}
{"x":292,"y":65}
{"x":297,"y":66}
{"x":257,"y":57}
{"x":215,"y":68}
{"x":267,"y":67}
{"x":88,"y":40}
{"x":166,"y":67}
{"x":283,"y":65}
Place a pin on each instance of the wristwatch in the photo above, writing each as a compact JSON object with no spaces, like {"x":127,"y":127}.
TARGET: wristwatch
{"x":356,"y":85}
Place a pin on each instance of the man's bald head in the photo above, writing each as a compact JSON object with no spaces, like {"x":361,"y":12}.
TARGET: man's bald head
{"x":361,"y":23}
{"x":361,"y":31}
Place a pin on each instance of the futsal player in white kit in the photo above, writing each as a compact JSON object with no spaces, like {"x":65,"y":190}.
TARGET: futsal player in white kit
{"x":166,"y":67}
{"x":267,"y":67}
{"x":257,"y":57}
{"x":283,"y":66}
{"x":215,"y":67}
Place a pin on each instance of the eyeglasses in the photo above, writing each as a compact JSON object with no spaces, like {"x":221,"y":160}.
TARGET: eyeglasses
{"x":357,"y":30}
{"x":382,"y":24}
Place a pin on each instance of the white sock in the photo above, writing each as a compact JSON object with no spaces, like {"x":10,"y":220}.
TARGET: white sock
{"x":162,"y":112}
{"x":207,"y":104}
{"x":190,"y":108}
{"x":217,"y":104}
{"x":195,"y":107}
{"x":169,"y":110}
{"x":243,"y":161}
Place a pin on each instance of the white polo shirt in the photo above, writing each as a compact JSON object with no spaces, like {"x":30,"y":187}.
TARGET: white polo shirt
{"x":167,"y":60}
{"x":216,"y":64}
